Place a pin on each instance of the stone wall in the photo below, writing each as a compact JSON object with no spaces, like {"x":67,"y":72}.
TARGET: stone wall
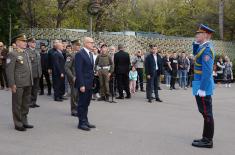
{"x":131,"y":42}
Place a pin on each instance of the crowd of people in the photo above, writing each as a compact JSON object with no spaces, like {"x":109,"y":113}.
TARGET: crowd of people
{"x":117,"y":74}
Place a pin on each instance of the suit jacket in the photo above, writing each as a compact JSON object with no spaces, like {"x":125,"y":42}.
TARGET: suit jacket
{"x":58,"y":64}
{"x":84,"y":69}
{"x":150,"y":65}
{"x":121,"y":62}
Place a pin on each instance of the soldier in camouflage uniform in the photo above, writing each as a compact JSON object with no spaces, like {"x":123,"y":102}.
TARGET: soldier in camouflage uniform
{"x":70,"y":71}
{"x":35,"y":58}
{"x":104,"y":68}
{"x":19,"y":76}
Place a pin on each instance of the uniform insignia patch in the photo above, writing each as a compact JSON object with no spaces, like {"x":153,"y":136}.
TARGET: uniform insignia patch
{"x":206,"y":57}
{"x":8,"y":60}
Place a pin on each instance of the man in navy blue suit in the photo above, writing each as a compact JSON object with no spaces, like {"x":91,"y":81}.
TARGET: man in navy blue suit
{"x":152,"y":66}
{"x":58,"y":72}
{"x":84,"y":68}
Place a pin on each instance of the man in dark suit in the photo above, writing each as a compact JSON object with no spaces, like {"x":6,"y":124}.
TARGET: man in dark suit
{"x":152,"y":65}
{"x":58,"y":72}
{"x":121,"y":70}
{"x":84,"y":68}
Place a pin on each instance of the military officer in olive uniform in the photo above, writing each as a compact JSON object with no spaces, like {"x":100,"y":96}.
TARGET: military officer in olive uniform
{"x":19,"y":76}
{"x":104,"y":68}
{"x":70,"y":71}
{"x":35,"y":59}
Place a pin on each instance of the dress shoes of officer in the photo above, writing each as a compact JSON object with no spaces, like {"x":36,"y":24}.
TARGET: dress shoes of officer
{"x":204,"y":143}
{"x":28,"y":126}
{"x":90,"y":125}
{"x":84,"y":127}
{"x":102,"y":98}
{"x":20,"y":128}
{"x":158,"y":100}
{"x":120,"y":97}
{"x":58,"y":100}
{"x":74,"y":114}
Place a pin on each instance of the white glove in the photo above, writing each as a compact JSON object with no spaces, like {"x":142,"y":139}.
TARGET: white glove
{"x":201,"y":93}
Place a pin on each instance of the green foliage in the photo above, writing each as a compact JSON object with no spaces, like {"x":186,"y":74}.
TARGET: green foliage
{"x":168,"y":17}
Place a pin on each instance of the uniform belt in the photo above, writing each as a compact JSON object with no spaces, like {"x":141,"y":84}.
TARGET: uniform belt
{"x":103,"y":67}
{"x":197,"y":72}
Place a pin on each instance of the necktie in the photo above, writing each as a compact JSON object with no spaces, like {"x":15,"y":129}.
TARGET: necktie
{"x":91,"y":57}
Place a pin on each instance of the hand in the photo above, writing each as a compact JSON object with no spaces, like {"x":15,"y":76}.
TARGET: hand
{"x":82,"y":89}
{"x":201,"y":93}
{"x":109,"y":75}
{"x":148,"y":76}
{"x":62,"y":75}
{"x":49,"y":71}
{"x":13,"y":89}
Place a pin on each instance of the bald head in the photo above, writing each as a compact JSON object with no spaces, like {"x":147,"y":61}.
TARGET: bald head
{"x":88,"y":43}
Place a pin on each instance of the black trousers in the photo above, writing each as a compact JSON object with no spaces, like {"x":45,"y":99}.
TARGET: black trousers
{"x":123,"y":84}
{"x":140,"y":78}
{"x":152,"y":86}
{"x":48,"y":81}
{"x":173,"y":78}
{"x":205,"y":108}
{"x":59,"y":86}
{"x":96,"y":85}
{"x":3,"y":77}
{"x":83,"y":104}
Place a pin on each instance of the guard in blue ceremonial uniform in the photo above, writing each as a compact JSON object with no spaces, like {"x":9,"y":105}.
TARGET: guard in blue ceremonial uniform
{"x":203,"y":84}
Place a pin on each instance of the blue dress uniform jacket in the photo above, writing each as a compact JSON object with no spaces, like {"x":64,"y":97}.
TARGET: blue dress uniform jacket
{"x":203,"y":68}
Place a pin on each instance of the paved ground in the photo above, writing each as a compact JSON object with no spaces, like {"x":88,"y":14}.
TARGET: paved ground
{"x":130,"y":127}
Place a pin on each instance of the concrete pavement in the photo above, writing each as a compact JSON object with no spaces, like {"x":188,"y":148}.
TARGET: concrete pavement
{"x":130,"y":127}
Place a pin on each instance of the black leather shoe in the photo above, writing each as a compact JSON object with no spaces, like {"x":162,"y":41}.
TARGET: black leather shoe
{"x":197,"y":140}
{"x":120,"y":97}
{"x":102,"y":98}
{"x":158,"y":100}
{"x":149,"y":100}
{"x":128,"y":97}
{"x":63,"y":98}
{"x":84,"y":127}
{"x":20,"y":128}
{"x":90,"y":125}
{"x":142,"y":90}
{"x":31,"y":106}
{"x":204,"y":143}
{"x":36,"y":105}
{"x":58,"y":100}
{"x":74,"y":114}
{"x":28,"y":126}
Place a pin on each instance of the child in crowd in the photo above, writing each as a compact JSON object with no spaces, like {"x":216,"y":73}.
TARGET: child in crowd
{"x":228,"y":72}
{"x":133,"y":78}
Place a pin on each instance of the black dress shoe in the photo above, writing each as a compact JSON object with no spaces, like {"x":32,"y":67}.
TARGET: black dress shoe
{"x":90,"y":125}
{"x":63,"y":98}
{"x":142,"y":90}
{"x":158,"y":100}
{"x":120,"y":97}
{"x":149,"y":100}
{"x":36,"y":105}
{"x":84,"y":127}
{"x":31,"y":106}
{"x":128,"y":97}
{"x":58,"y":100}
{"x":28,"y":126}
{"x":159,"y":88}
{"x":74,"y":114}
{"x":102,"y":98}
{"x":197,"y":140}
{"x":20,"y":128}
{"x":203,"y":143}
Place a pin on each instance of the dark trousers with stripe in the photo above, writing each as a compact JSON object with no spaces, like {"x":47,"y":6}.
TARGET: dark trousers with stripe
{"x":205,"y":108}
